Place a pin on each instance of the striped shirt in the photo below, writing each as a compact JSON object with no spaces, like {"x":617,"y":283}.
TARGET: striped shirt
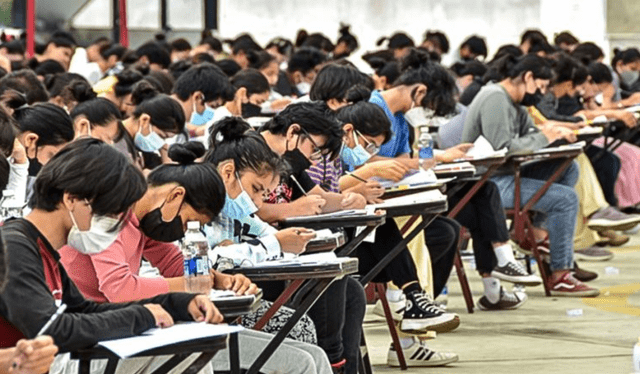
{"x":327,"y":174}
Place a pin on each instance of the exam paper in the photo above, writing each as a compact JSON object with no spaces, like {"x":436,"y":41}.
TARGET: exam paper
{"x":483,"y":149}
{"x":156,"y":337}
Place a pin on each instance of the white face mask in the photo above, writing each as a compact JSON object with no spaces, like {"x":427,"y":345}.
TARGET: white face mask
{"x":95,"y":240}
{"x":303,"y":87}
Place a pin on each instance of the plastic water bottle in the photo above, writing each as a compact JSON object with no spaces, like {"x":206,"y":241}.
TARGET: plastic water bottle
{"x":636,"y":357}
{"x":10,"y":207}
{"x":425,"y":146}
{"x":197,"y":277}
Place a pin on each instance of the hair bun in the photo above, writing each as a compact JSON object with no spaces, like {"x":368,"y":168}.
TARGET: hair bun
{"x":81,"y":91}
{"x":344,"y":29}
{"x":414,"y":60}
{"x":187,"y":153}
{"x":228,"y":129}
{"x":357,"y":93}
{"x":143,"y":90}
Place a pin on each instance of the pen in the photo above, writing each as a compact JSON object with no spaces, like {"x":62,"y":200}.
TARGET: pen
{"x":357,"y":177}
{"x":298,"y":184}
{"x":55,"y":315}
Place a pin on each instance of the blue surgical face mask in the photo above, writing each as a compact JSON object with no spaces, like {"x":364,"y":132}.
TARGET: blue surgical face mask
{"x":354,"y":157}
{"x":240,"y":207}
{"x":148,"y":143}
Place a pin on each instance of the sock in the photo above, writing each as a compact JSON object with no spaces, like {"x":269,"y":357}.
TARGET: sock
{"x":407,"y":342}
{"x":413,"y":287}
{"x":492,"y":289}
{"x":504,"y":253}
{"x":394,"y":295}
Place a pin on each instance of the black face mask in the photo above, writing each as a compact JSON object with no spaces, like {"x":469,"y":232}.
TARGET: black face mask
{"x":531,"y":99}
{"x":34,"y":166}
{"x":251,"y":110}
{"x":155,"y":228}
{"x":297,"y":160}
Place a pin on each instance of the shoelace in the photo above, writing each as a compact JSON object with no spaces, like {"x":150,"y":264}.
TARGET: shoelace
{"x":517,"y":267}
{"x":424,"y":302}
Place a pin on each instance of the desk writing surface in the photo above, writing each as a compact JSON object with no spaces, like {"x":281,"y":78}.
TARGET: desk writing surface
{"x":327,"y":222}
{"x":157,"y":337}
{"x":418,"y":203}
{"x":307,"y":270}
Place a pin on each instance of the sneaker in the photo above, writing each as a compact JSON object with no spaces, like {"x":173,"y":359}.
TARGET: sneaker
{"x":583,"y":275}
{"x":613,"y":238}
{"x":610,"y":218}
{"x":593,"y":254}
{"x":397,"y":307}
{"x":568,"y":286}
{"x":507,"y":301}
{"x":423,"y":314}
{"x":514,"y":272}
{"x":419,"y":355}
{"x":632,"y":231}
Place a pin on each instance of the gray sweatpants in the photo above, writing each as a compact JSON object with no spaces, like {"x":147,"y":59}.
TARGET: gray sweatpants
{"x":291,"y":357}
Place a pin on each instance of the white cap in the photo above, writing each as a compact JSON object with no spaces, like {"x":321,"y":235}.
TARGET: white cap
{"x":193,"y":225}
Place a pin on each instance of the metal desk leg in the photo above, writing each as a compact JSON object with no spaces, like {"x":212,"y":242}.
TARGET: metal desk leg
{"x":283,"y":298}
{"x":314,"y":294}
{"x":234,"y":354}
{"x":392,"y":325}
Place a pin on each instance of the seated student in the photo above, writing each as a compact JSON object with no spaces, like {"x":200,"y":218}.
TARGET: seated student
{"x":28,"y":356}
{"x":27,"y":83}
{"x":483,"y":215}
{"x":269,"y":66}
{"x":346,"y":44}
{"x":441,"y":236}
{"x":572,"y":78}
{"x":43,"y":129}
{"x":603,"y":78}
{"x":201,"y":85}
{"x":367,"y":127}
{"x":472,"y":48}
{"x":177,"y":193}
{"x":385,"y":72}
{"x":156,"y":118}
{"x":514,"y":129}
{"x":302,"y":68}
{"x":65,"y":205}
{"x":626,"y":66}
{"x":97,"y":118}
{"x":399,"y":43}
{"x":300,"y":133}
{"x":251,"y":91}
{"x":436,"y":41}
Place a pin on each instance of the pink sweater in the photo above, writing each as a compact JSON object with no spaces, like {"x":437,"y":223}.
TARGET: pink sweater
{"x":112,"y":275}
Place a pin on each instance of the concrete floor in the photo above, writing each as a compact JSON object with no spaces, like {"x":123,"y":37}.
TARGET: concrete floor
{"x":539,"y":337}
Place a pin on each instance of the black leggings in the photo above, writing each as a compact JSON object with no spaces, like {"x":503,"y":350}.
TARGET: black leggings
{"x":484,"y":217}
{"x":441,"y":237}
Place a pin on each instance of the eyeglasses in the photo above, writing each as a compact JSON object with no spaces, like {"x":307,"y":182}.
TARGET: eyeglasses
{"x":317,"y":151}
{"x":371,"y":147}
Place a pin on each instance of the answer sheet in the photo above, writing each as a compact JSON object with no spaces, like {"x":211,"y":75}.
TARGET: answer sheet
{"x":156,"y":337}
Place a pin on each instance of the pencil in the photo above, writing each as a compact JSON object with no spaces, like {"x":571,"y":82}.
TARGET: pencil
{"x":298,"y":184}
{"x":55,"y":315}
{"x":357,"y":177}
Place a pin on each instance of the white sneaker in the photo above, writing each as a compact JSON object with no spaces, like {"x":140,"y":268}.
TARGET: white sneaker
{"x":397,"y":307}
{"x":420,"y":355}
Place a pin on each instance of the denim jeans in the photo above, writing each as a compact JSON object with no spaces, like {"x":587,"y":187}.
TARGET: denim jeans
{"x":559,"y":204}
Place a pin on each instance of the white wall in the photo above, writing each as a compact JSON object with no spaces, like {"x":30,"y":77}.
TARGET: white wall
{"x":500,"y":21}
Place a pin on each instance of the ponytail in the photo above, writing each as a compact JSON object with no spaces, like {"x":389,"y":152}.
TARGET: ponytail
{"x":233,"y":138}
{"x":204,"y":188}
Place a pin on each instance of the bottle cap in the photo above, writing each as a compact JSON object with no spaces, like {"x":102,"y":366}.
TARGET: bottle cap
{"x":193,"y":225}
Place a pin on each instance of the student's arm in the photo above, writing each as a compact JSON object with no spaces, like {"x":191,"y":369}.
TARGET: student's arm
{"x":622,"y":115}
{"x":337,"y":201}
{"x":304,"y":206}
{"x":75,"y":328}
{"x":498,"y":127}
{"x":116,"y":280}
